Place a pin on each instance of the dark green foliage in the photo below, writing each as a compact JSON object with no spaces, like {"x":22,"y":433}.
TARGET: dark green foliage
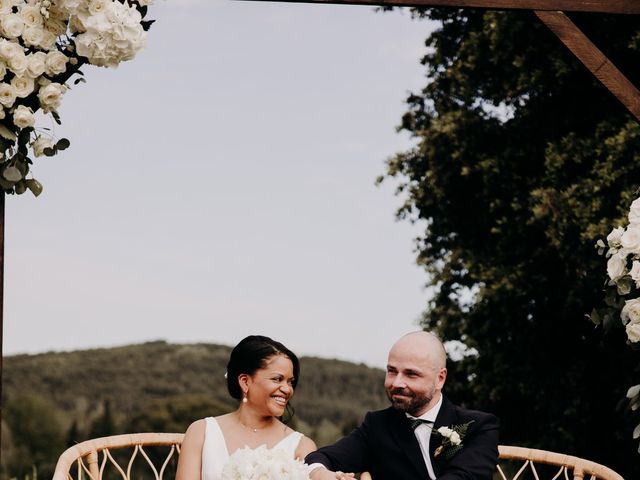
{"x":35,"y":436}
{"x":161,"y":388}
{"x":522,"y":161}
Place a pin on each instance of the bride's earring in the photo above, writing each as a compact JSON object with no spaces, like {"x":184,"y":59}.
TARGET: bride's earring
{"x":244,"y":398}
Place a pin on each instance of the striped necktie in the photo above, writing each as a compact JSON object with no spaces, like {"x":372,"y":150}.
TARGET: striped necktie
{"x":416,"y":422}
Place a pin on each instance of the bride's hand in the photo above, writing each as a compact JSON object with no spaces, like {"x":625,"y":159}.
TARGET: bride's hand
{"x":344,"y":476}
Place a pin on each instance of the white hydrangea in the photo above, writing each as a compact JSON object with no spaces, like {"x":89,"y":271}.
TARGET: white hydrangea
{"x":112,"y":35}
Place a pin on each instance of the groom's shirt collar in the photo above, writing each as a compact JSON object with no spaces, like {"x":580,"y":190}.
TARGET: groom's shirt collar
{"x":430,"y":414}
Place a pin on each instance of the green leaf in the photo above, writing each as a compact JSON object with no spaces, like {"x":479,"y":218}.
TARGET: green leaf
{"x":56,"y":117}
{"x":6,"y":133}
{"x":624,"y":284}
{"x":608,"y":322}
{"x":63,"y":144}
{"x":20,"y":187}
{"x":35,"y":186}
{"x":12,"y":174}
{"x":595,"y":317}
{"x":633,"y":391}
{"x":25,"y":136}
{"x":50,"y":151}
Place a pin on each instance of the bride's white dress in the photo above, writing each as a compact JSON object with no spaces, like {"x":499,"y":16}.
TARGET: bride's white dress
{"x":215,"y":454}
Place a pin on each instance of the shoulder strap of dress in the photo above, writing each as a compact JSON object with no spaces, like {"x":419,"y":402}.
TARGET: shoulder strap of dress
{"x":290,"y":442}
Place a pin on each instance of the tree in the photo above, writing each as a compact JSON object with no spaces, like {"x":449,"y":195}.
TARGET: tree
{"x":522,"y":161}
{"x":36,"y":437}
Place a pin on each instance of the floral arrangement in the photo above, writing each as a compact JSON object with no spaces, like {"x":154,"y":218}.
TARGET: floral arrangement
{"x":622,"y":287}
{"x":263,"y":463}
{"x":43,"y":43}
{"x":451,"y":439}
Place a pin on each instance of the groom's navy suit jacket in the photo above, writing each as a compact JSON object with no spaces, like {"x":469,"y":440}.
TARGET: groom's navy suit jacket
{"x":386,"y":446}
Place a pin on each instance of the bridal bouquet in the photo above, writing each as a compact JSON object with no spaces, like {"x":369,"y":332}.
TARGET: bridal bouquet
{"x":43,"y":43}
{"x":263,"y":463}
{"x":623,"y":287}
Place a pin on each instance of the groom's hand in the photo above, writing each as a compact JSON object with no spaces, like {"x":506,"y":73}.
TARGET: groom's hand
{"x":321,"y":473}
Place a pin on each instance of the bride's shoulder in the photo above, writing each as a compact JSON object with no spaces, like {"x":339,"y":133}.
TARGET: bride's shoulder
{"x":305,"y":447}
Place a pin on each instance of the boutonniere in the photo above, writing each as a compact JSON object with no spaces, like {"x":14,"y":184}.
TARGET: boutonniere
{"x":451,"y":439}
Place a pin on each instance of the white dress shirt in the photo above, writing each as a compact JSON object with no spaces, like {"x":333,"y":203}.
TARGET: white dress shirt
{"x":423,"y":434}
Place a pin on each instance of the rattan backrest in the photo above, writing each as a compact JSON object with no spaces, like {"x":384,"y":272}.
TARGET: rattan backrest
{"x":93,"y":459}
{"x":518,"y":463}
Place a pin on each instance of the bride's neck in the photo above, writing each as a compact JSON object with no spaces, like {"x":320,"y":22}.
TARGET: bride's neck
{"x":252,"y":420}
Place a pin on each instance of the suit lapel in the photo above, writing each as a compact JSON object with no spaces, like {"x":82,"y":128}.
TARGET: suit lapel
{"x":406,"y":440}
{"x":447,"y":416}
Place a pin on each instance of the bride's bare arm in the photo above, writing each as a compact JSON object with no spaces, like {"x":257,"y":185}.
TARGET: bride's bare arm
{"x":305,"y":447}
{"x":190,"y":462}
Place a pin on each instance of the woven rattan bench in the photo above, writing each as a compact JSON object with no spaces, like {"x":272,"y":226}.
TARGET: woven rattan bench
{"x":154,"y":456}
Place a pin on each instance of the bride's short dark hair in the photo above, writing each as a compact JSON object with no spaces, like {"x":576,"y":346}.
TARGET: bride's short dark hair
{"x":250,"y":355}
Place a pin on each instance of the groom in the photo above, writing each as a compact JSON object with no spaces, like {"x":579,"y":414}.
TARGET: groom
{"x":422,"y":435}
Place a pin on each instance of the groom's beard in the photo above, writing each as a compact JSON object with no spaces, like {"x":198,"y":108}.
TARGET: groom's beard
{"x":411,"y":402}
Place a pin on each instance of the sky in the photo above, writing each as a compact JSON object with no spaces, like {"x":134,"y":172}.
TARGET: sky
{"x":222,"y":184}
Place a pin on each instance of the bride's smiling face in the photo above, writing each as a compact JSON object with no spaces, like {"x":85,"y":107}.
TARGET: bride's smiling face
{"x":270,"y":388}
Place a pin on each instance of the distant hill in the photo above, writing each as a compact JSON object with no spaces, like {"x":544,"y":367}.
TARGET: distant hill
{"x":156,"y":386}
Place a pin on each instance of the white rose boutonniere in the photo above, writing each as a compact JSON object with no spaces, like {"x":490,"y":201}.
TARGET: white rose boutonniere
{"x":451,"y":439}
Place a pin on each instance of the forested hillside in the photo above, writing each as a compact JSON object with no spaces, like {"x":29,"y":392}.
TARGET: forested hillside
{"x":53,"y":400}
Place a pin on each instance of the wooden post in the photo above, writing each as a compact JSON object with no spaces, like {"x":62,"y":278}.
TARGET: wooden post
{"x":2,"y":205}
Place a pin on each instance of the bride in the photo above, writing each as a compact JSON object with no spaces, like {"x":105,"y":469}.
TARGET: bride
{"x":262,"y":374}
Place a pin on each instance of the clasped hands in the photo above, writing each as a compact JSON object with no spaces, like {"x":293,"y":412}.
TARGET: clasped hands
{"x":325,"y":474}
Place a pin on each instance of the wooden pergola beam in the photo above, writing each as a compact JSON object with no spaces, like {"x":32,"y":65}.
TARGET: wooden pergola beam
{"x":592,"y":58}
{"x":551,"y":12}
{"x":596,"y":6}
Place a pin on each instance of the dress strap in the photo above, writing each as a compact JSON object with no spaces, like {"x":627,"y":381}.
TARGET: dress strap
{"x":290,"y":443}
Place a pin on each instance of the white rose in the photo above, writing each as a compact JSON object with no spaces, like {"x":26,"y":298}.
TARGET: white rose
{"x":613,"y":239}
{"x":3,"y":69}
{"x":50,"y":96}
{"x":56,"y":63}
{"x":633,"y":332}
{"x":616,"y":267}
{"x":56,"y":26}
{"x":144,"y":3}
{"x":634,"y":212}
{"x":23,"y":85}
{"x":455,"y":438}
{"x":98,"y":6}
{"x":2,"y":115}
{"x":40,"y":144}
{"x":12,"y":25}
{"x":70,"y":6}
{"x":631,"y":311}
{"x":33,"y":36}
{"x":445,"y":431}
{"x":16,"y":60}
{"x":7,"y":95}
{"x":36,"y":64}
{"x":631,"y":238}
{"x":635,"y":272}
{"x":5,"y":6}
{"x":23,"y":117}
{"x":31,"y":16}
{"x":48,"y":40}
